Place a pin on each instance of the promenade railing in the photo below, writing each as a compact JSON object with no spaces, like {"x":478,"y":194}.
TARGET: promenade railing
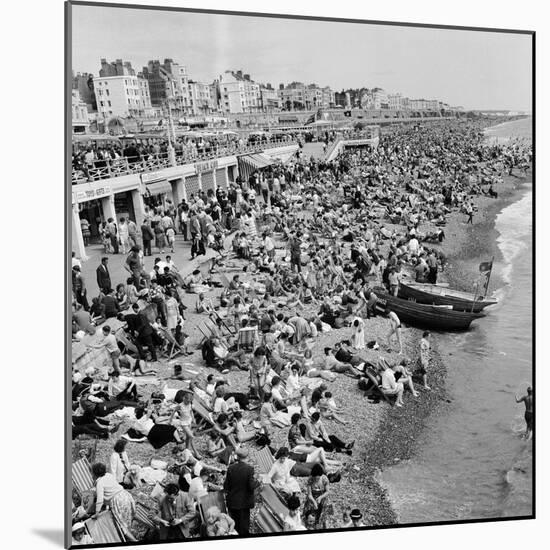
{"x":123,"y":166}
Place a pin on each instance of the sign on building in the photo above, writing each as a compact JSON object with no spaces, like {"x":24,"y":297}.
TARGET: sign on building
{"x":206,"y":165}
{"x":91,"y":194}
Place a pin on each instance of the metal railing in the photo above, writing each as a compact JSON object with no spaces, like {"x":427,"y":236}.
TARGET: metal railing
{"x":112,"y":168}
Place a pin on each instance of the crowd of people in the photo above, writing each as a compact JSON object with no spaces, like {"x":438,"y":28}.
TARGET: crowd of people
{"x":311,"y":242}
{"x":88,"y":159}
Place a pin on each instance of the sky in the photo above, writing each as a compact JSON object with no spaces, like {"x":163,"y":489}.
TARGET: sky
{"x":477,"y":70}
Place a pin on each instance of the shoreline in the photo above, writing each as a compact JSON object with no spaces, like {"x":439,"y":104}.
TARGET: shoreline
{"x":400,"y":430}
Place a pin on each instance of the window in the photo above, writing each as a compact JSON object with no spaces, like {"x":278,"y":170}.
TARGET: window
{"x":102,"y":104}
{"x":109,"y":103}
{"x":107,"y":91}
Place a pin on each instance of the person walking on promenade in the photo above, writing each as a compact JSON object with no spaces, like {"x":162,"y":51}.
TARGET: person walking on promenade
{"x":124,"y":235}
{"x":132,"y":232}
{"x":160,"y":237}
{"x":529,"y":412}
{"x":79,"y":288}
{"x":184,"y":218}
{"x":113,"y":234}
{"x":85,"y":227}
{"x":239,"y":487}
{"x":103,"y":276}
{"x":147,"y":236}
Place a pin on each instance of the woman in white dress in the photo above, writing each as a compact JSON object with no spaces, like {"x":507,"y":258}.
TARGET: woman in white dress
{"x":279,"y":475}
{"x":172,"y":313}
{"x":358,"y":336}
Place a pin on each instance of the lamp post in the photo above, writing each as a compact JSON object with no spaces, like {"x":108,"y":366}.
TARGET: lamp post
{"x":171,"y":136}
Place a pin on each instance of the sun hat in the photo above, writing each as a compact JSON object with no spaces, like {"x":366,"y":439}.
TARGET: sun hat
{"x":78,"y":526}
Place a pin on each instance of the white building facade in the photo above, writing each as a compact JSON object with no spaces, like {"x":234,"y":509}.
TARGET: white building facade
{"x":238,"y":93}
{"x":80,"y":118}
{"x":201,"y":98}
{"x":122,"y":96}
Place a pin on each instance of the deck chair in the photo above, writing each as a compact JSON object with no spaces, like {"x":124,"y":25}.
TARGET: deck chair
{"x":206,"y":332}
{"x":104,"y":529}
{"x":82,"y":476}
{"x":145,"y":515}
{"x":267,"y":522}
{"x":203,"y":416}
{"x":223,"y":280}
{"x":123,"y":338}
{"x":264,"y":460}
{"x":174,"y":349}
{"x":215,"y":498}
{"x":229,"y":329}
{"x":247,"y":338}
{"x":273,"y":501}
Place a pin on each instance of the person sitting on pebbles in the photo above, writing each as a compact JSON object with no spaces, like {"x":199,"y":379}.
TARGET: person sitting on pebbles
{"x":403,"y":374}
{"x":390,"y":386}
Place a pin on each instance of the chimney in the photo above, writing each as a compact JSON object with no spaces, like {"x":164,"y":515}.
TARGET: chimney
{"x":246,"y":77}
{"x":240,"y":74}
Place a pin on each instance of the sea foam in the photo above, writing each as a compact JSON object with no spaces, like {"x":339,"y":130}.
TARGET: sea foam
{"x":514,"y":224}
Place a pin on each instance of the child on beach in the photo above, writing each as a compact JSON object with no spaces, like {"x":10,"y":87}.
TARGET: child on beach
{"x":329,"y":409}
{"x":358,"y":336}
{"x":424,"y":358}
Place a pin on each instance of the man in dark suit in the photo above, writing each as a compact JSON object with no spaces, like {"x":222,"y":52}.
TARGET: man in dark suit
{"x":147,"y":236}
{"x":239,"y":487}
{"x":147,"y":335}
{"x":103,"y":276}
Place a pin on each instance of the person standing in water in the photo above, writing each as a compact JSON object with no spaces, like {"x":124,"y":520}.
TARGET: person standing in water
{"x":529,"y":412}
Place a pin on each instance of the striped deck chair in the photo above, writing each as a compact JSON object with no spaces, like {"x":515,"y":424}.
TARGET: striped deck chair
{"x":247,"y":338}
{"x":215,"y":498}
{"x":203,"y":416}
{"x":174,"y":349}
{"x":145,"y":515}
{"x":267,"y":522}
{"x":82,"y":476}
{"x":104,"y":529}
{"x":227,"y":327}
{"x":264,"y":460}
{"x":273,"y":501}
{"x":123,"y":338}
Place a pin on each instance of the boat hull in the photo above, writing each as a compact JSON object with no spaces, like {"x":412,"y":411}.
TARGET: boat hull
{"x":431,"y":294}
{"x":426,"y":315}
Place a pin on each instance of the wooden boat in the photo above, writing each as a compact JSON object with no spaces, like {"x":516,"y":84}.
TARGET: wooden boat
{"x":425,"y":315}
{"x":440,"y":296}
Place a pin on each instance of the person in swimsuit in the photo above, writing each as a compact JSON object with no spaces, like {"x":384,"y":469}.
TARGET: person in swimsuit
{"x":395,"y":328}
{"x":529,"y":412}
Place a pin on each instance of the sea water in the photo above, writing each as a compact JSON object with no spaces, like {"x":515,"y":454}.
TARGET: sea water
{"x":466,"y":454}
